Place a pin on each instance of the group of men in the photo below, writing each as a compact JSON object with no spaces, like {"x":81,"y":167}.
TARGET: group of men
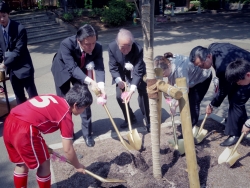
{"x":79,"y":62}
{"x":81,"y":54}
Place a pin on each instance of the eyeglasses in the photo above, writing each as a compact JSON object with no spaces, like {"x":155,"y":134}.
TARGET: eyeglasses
{"x":200,"y":63}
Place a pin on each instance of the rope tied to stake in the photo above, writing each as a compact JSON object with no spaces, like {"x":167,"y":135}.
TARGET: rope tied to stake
{"x":152,"y":89}
{"x":183,"y":89}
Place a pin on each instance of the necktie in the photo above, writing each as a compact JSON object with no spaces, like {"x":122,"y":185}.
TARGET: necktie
{"x":89,"y":73}
{"x":82,"y":60}
{"x":5,"y":37}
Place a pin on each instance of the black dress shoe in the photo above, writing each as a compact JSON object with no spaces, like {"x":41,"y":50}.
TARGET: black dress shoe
{"x":125,"y":123}
{"x":231,"y":140}
{"x":89,"y":141}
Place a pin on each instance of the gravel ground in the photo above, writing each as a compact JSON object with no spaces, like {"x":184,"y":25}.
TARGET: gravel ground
{"x":109,"y":159}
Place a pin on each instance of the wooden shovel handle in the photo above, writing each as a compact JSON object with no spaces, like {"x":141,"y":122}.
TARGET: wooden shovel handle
{"x":237,"y":144}
{"x":203,"y":123}
{"x":127,"y":111}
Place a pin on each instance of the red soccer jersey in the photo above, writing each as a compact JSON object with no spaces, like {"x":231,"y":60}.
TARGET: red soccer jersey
{"x":47,"y":113}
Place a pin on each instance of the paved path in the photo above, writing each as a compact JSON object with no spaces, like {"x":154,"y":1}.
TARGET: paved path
{"x":176,"y":37}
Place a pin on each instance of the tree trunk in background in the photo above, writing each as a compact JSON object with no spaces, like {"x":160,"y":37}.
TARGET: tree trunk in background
{"x":187,"y":3}
{"x":147,"y":22}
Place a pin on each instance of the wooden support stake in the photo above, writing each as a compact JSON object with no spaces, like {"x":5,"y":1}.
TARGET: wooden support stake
{"x":186,"y":125}
{"x":170,"y":90}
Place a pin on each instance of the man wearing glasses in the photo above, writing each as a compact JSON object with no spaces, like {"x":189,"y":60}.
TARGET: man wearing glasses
{"x":74,"y":62}
{"x":126,"y":65}
{"x":219,"y":56}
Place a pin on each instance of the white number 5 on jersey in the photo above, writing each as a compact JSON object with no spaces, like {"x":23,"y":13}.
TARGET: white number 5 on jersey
{"x":45,"y":101}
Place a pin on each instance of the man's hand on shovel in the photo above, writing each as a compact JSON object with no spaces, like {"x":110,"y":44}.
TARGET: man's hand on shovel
{"x":245,"y":129}
{"x":102,"y":98}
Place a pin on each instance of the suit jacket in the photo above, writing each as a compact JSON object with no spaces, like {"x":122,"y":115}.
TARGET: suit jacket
{"x":117,"y":62}
{"x":223,"y":54}
{"x":67,"y":60}
{"x":18,"y":60}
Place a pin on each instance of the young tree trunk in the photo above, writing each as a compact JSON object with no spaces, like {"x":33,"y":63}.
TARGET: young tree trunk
{"x":147,"y":21}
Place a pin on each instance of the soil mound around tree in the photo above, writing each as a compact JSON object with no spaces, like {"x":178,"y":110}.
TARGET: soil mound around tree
{"x":109,"y":159}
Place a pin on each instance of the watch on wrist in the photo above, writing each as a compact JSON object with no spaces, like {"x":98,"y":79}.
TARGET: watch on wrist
{"x":211,"y":106}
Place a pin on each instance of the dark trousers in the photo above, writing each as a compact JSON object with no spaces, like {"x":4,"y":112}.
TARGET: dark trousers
{"x":18,"y":86}
{"x":142,"y":101}
{"x":237,"y":115}
{"x":85,"y":116}
{"x":196,"y":95}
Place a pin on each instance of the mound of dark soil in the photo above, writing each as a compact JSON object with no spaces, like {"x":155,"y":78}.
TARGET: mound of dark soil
{"x":109,"y":159}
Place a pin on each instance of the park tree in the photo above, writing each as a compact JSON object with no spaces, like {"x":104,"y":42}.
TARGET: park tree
{"x":147,"y":21}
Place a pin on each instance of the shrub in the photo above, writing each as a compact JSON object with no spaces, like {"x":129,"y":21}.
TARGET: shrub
{"x":195,"y":6}
{"x":88,"y":4}
{"x":246,"y":2}
{"x":113,"y":15}
{"x":78,"y":12}
{"x":127,"y":6}
{"x":96,"y":12}
{"x":40,"y":4}
{"x":68,"y":16}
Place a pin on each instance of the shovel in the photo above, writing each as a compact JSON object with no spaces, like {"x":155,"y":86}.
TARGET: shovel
{"x":88,"y":172}
{"x":230,"y":156}
{"x":177,"y":144}
{"x":200,"y":133}
{"x":124,"y":143}
{"x":133,"y":135}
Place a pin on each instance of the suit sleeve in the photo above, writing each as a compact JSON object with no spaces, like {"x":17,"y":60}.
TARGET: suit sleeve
{"x":224,"y":86}
{"x":70,"y":64}
{"x":21,"y":45}
{"x":139,"y":69}
{"x":113,"y":67}
{"x":99,"y":66}
{"x":1,"y":55}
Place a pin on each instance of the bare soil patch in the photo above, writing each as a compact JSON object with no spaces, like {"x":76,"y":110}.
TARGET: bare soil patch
{"x":109,"y":159}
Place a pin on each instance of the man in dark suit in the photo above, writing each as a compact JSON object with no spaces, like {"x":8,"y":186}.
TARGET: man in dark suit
{"x":126,"y":65}
{"x":15,"y":56}
{"x":74,"y":62}
{"x":219,"y":55}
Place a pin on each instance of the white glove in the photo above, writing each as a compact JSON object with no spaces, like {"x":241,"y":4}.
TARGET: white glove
{"x":102,"y":100}
{"x":173,"y":103}
{"x":2,"y":66}
{"x":90,"y":66}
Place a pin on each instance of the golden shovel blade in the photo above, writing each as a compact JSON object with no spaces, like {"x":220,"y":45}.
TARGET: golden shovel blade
{"x":134,"y":139}
{"x":180,"y":146}
{"x":195,"y":130}
{"x":224,"y":155}
{"x":126,"y":145}
{"x":233,"y":158}
{"x":200,"y":136}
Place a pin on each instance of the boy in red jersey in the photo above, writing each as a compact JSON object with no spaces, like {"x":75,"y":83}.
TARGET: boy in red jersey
{"x":43,"y":114}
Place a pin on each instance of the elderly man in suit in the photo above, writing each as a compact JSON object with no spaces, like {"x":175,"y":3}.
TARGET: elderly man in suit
{"x":126,"y":65}
{"x":74,"y":62}
{"x":15,"y":55}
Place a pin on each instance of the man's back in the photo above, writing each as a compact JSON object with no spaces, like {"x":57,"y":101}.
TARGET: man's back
{"x":225,"y":53}
{"x":45,"y":112}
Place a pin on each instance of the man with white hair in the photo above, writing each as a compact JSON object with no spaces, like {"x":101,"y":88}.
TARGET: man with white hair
{"x":126,"y":65}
